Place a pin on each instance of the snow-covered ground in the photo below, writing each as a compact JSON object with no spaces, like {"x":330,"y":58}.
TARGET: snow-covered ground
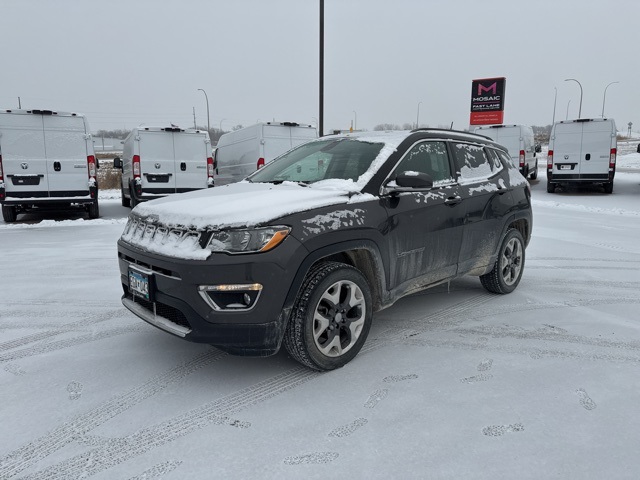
{"x":452,"y":383}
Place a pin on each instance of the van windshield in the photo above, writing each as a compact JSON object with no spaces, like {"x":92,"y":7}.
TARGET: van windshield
{"x":337,"y":158}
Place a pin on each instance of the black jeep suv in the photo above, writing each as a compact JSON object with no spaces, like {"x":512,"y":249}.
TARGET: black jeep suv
{"x":306,"y":249}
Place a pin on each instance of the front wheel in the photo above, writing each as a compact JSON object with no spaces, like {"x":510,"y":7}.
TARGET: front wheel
{"x":331,"y":317}
{"x":507,"y":271}
{"x":9,"y":213}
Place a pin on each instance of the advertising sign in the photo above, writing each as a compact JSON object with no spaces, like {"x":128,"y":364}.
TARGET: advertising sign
{"x":487,"y":101}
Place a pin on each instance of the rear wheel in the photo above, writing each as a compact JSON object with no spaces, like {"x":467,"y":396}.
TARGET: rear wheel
{"x":93,"y":210}
{"x":551,"y":187}
{"x":9,"y":213}
{"x":132,"y":197}
{"x":608,"y":187}
{"x":331,"y":317}
{"x":534,"y":173}
{"x":507,"y":271}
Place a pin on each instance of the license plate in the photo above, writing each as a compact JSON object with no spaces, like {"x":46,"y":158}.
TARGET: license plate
{"x":565,"y":167}
{"x":141,"y":284}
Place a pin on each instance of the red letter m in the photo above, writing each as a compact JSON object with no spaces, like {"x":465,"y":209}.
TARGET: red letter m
{"x":493,"y":88}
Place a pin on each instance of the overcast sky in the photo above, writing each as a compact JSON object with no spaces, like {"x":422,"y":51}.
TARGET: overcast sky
{"x":130,"y":62}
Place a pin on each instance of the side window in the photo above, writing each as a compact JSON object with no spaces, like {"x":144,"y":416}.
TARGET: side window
{"x":471,"y":161}
{"x":495,"y":160}
{"x":430,"y":158}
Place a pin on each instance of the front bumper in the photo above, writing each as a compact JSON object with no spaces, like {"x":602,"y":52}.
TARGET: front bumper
{"x":178,"y":305}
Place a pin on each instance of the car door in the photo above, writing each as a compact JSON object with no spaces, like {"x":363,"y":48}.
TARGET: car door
{"x":424,"y":228}
{"x":486,"y":198}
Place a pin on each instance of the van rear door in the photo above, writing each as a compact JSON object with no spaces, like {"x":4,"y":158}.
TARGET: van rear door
{"x":23,"y":156}
{"x":66,"y":146}
{"x":567,"y":150}
{"x":510,"y":138}
{"x":596,"y":148}
{"x":157,"y":165}
{"x":191,"y":152}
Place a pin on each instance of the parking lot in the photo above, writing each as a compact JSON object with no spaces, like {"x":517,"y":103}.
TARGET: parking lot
{"x":452,"y":383}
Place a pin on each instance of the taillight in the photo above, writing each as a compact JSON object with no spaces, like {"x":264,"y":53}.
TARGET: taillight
{"x":260,"y":163}
{"x":612,"y":158}
{"x":521,"y":158}
{"x":550,"y":160}
{"x":210,"y":167}
{"x":91,"y":163}
{"x":136,"y":166}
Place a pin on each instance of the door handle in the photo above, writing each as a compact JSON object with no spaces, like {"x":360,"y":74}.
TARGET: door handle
{"x":451,"y":201}
{"x":56,"y":166}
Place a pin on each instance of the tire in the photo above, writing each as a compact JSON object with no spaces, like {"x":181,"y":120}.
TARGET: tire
{"x":608,"y":187}
{"x":507,"y":271}
{"x":132,"y":197}
{"x":534,"y":173}
{"x":551,"y":187}
{"x":94,"y":210}
{"x":331,"y":317}
{"x":9,"y":213}
{"x":125,"y":201}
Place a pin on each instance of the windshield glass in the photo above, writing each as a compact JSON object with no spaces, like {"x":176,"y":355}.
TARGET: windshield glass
{"x":337,"y":158}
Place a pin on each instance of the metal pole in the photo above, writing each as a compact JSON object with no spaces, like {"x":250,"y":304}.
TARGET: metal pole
{"x":194,"y":118}
{"x":355,"y":121}
{"x":418,"y":116}
{"x":567,"y":116}
{"x":605,"y":96}
{"x":580,"y":108}
{"x":207,"y":99}
{"x":555,"y":99}
{"x":321,"y":82}
{"x":221,"y":123}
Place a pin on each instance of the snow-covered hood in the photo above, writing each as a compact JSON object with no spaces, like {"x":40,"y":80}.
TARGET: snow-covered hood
{"x":243,"y":204}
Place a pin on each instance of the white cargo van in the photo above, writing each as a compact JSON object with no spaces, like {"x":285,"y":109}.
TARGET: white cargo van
{"x":242,"y":152}
{"x":46,"y":161}
{"x":160,"y":161}
{"x":519,"y":140}
{"x":582,"y":151}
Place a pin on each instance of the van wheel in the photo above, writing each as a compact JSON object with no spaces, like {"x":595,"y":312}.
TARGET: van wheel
{"x":9,"y":214}
{"x":94,"y":210}
{"x":331,"y":317}
{"x":125,"y":201}
{"x":507,"y":271}
{"x":534,"y":173}
{"x":608,"y":187}
{"x":132,"y":197}
{"x":551,"y":187}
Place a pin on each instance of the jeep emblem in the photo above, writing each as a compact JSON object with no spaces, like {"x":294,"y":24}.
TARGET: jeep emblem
{"x":24,"y":165}
{"x":158,"y":166}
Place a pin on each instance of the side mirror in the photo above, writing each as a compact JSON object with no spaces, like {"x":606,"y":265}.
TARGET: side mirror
{"x":538,"y":148}
{"x":638,"y":149}
{"x":97,"y":163}
{"x":409,"y":182}
{"x":117,"y":163}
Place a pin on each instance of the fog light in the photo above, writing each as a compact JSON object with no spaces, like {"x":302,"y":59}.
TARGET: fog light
{"x":236,"y":297}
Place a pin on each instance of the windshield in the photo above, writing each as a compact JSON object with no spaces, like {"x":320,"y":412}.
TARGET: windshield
{"x":336,"y":158}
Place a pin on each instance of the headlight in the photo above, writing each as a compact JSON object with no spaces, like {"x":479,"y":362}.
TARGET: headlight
{"x":250,"y":240}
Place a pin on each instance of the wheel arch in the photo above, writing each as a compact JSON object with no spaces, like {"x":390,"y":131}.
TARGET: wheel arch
{"x":361,"y":254}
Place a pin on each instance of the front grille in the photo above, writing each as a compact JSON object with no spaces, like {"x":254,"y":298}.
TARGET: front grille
{"x":166,"y":311}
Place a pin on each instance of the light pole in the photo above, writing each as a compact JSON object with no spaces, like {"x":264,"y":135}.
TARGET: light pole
{"x":207,"y":99}
{"x":567,"y":116}
{"x":418,"y":116}
{"x":580,"y":108}
{"x":605,"y":96}
{"x":555,"y":99}
{"x":221,"y":123}
{"x":355,"y":120}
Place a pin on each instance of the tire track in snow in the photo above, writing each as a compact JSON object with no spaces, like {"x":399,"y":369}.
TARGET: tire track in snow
{"x":118,"y":450}
{"x":29,"y":454}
